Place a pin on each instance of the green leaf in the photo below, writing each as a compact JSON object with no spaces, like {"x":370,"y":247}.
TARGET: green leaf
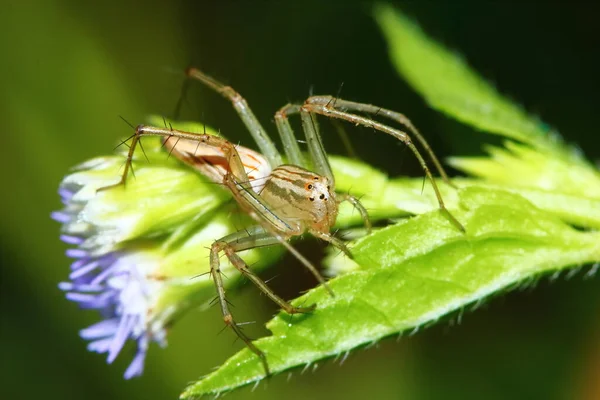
{"x":412,"y":274}
{"x":448,"y":84}
{"x":543,"y":169}
{"x":535,"y":177}
{"x":522,"y":166}
{"x":570,"y":191}
{"x":516,"y":212}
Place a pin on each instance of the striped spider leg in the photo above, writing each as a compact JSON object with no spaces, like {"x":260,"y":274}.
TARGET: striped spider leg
{"x":331,"y":107}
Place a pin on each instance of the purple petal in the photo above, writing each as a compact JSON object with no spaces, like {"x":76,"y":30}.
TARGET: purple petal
{"x":101,"y":301}
{"x":76,"y":253}
{"x":102,"y":275}
{"x":136,"y":368}
{"x":100,"y":329}
{"x":81,"y":297}
{"x":61,"y":217}
{"x":71,"y":239}
{"x":65,"y":286}
{"x":79,"y":287}
{"x":65,"y":194}
{"x":123,"y":331}
{"x":79,"y":263}
{"x":83,"y":270}
{"x":100,"y":346}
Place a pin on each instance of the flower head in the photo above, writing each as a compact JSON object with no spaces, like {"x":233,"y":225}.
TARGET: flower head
{"x":138,"y":250}
{"x":120,"y":286}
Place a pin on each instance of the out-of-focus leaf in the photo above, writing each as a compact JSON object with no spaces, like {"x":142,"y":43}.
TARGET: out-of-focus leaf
{"x":450,"y":86}
{"x":521,"y":166}
{"x":391,"y":198}
{"x":543,"y":169}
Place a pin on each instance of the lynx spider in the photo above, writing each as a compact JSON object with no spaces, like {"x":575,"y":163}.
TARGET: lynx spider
{"x":292,"y":200}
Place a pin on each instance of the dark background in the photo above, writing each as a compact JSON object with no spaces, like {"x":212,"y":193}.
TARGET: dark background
{"x":68,"y":70}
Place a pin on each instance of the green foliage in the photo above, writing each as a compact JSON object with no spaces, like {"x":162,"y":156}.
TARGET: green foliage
{"x":449,"y":85}
{"x":517,"y":212}
{"x":412,"y":274}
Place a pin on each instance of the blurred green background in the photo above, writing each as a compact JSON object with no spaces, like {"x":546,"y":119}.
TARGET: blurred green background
{"x":68,"y":71}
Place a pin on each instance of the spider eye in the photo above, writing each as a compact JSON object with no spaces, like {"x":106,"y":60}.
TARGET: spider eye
{"x":311,"y":198}
{"x":322,"y":196}
{"x":310,"y":186}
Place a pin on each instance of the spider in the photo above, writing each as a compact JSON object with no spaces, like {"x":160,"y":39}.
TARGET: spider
{"x":285,"y":200}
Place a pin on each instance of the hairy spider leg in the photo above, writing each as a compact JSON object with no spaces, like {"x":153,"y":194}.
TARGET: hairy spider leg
{"x":264,"y":143}
{"x":364,"y":214}
{"x":251,"y":238}
{"x":292,"y":150}
{"x":346,"y":105}
{"x":316,"y":150}
{"x":328,"y":106}
{"x":236,"y":167}
{"x":316,"y":105}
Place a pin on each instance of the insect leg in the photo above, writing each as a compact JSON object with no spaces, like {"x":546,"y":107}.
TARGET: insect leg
{"x":268,"y":219}
{"x":215,"y":272}
{"x":331,"y":112}
{"x":400,"y":118}
{"x":266,"y":146}
{"x":235,"y":164}
{"x":252,"y":238}
{"x":290,"y":145}
{"x":333,"y":240}
{"x":231,"y":244}
{"x":315,"y":146}
{"x":357,"y":205}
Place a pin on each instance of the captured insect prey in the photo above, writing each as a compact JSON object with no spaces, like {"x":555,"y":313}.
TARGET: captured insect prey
{"x":284,"y":199}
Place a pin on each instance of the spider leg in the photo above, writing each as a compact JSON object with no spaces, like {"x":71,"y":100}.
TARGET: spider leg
{"x":357,"y":205}
{"x":328,"y":237}
{"x":272,"y":223}
{"x":330,"y":111}
{"x":315,"y":146}
{"x":290,"y":144}
{"x":215,"y":272}
{"x":234,"y":162}
{"x":313,"y":139}
{"x":400,"y":118}
{"x":250,"y":238}
{"x":266,"y":146}
{"x":293,"y":152}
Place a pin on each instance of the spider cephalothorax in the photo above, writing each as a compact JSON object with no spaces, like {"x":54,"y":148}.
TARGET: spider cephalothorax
{"x":302,"y":197}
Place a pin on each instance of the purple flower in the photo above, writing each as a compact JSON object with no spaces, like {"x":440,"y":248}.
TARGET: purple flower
{"x":137,"y":250}
{"x":118,"y":284}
